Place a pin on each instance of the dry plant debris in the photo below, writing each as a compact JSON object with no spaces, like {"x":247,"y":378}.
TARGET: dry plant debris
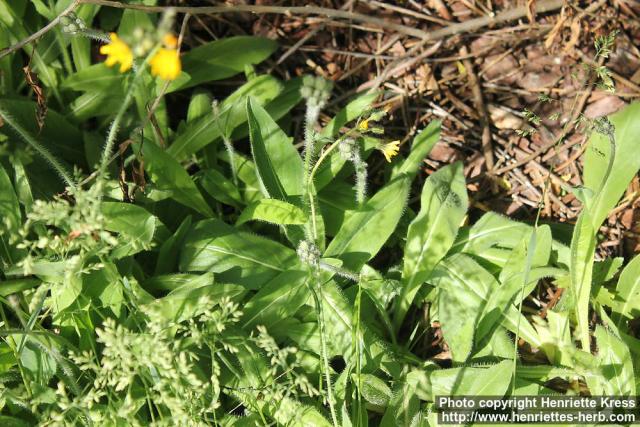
{"x":503,"y":72}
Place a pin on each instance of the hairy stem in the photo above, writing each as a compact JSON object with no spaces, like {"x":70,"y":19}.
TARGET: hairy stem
{"x":315,"y":290}
{"x":115,"y":125}
{"x":232,"y":158}
{"x":36,"y":145}
{"x":311,"y":117}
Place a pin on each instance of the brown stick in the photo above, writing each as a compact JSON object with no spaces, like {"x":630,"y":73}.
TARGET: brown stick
{"x":283,"y":10}
{"x":463,"y":27}
{"x":487,"y":147}
{"x":4,"y":52}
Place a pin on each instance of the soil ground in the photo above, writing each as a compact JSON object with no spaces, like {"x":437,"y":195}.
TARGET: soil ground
{"x":488,"y":63}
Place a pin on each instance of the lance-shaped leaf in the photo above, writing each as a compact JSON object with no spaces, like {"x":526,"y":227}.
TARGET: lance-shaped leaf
{"x":274,"y":211}
{"x":364,"y":231}
{"x":169,"y":175}
{"x":205,"y":130}
{"x":443,"y":205}
{"x":616,"y":365}
{"x":465,"y":310}
{"x":628,"y":292}
{"x":277,"y":161}
{"x":610,"y":164}
{"x":235,"y":256}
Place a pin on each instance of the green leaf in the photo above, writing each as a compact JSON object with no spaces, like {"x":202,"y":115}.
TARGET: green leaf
{"x":465,"y":291}
{"x":9,"y":421}
{"x":168,"y":253}
{"x":628,"y":292}
{"x":202,"y":132}
{"x":583,"y":247}
{"x":277,"y":300}
{"x":277,"y":107}
{"x":199,"y":106}
{"x":60,"y":137}
{"x":96,"y":78}
{"x":404,"y":408}
{"x":186,"y":302}
{"x":278,"y":164}
{"x":274,"y":211}
{"x":164,"y":283}
{"x":350,"y":112}
{"x":237,"y":257}
{"x":64,"y":294}
{"x":616,"y":364}
{"x":443,"y":205}
{"x":374,"y":390}
{"x":221,"y":59}
{"x":169,"y":175}
{"x":39,"y":363}
{"x":364,"y":231}
{"x":247,"y":174}
{"x":23,"y":187}
{"x":335,"y":201}
{"x":104,"y":287}
{"x":340,"y":325}
{"x":610,"y":164}
{"x":269,"y":179}
{"x":81,"y":46}
{"x":555,"y":337}
{"x":12,"y":286}
{"x":9,"y":212}
{"x":494,"y":236}
{"x":220,"y":188}
{"x":133,"y":19}
{"x":625,"y":163}
{"x":94,"y":104}
{"x":137,"y":227}
{"x":422,"y":145}
{"x":473,"y":381}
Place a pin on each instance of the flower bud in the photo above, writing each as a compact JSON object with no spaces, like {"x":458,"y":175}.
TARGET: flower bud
{"x":348,"y":149}
{"x":308,"y":253}
{"x":71,"y":24}
{"x":316,"y":90}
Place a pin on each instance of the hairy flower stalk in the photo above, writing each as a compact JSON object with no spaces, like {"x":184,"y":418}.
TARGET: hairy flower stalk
{"x":316,"y":91}
{"x":36,"y":145}
{"x":159,"y":51}
{"x":309,"y":254}
{"x":115,"y":125}
{"x":349,"y":150}
{"x":75,"y":26}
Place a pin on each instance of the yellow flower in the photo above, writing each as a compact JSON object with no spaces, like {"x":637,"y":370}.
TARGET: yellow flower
{"x":364,"y":125}
{"x":166,"y":64}
{"x":170,"y":41}
{"x":390,"y":149}
{"x":117,"y":51}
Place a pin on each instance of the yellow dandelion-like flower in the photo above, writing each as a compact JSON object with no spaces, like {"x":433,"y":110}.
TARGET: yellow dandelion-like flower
{"x":364,"y":125}
{"x":166,"y":64}
{"x":390,"y":149}
{"x":170,"y":41}
{"x":117,"y":51}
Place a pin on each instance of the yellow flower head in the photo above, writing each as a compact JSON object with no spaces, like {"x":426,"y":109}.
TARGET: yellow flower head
{"x":390,"y":149}
{"x":117,"y":51}
{"x":364,"y":125}
{"x":170,"y":41}
{"x":166,"y":64}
